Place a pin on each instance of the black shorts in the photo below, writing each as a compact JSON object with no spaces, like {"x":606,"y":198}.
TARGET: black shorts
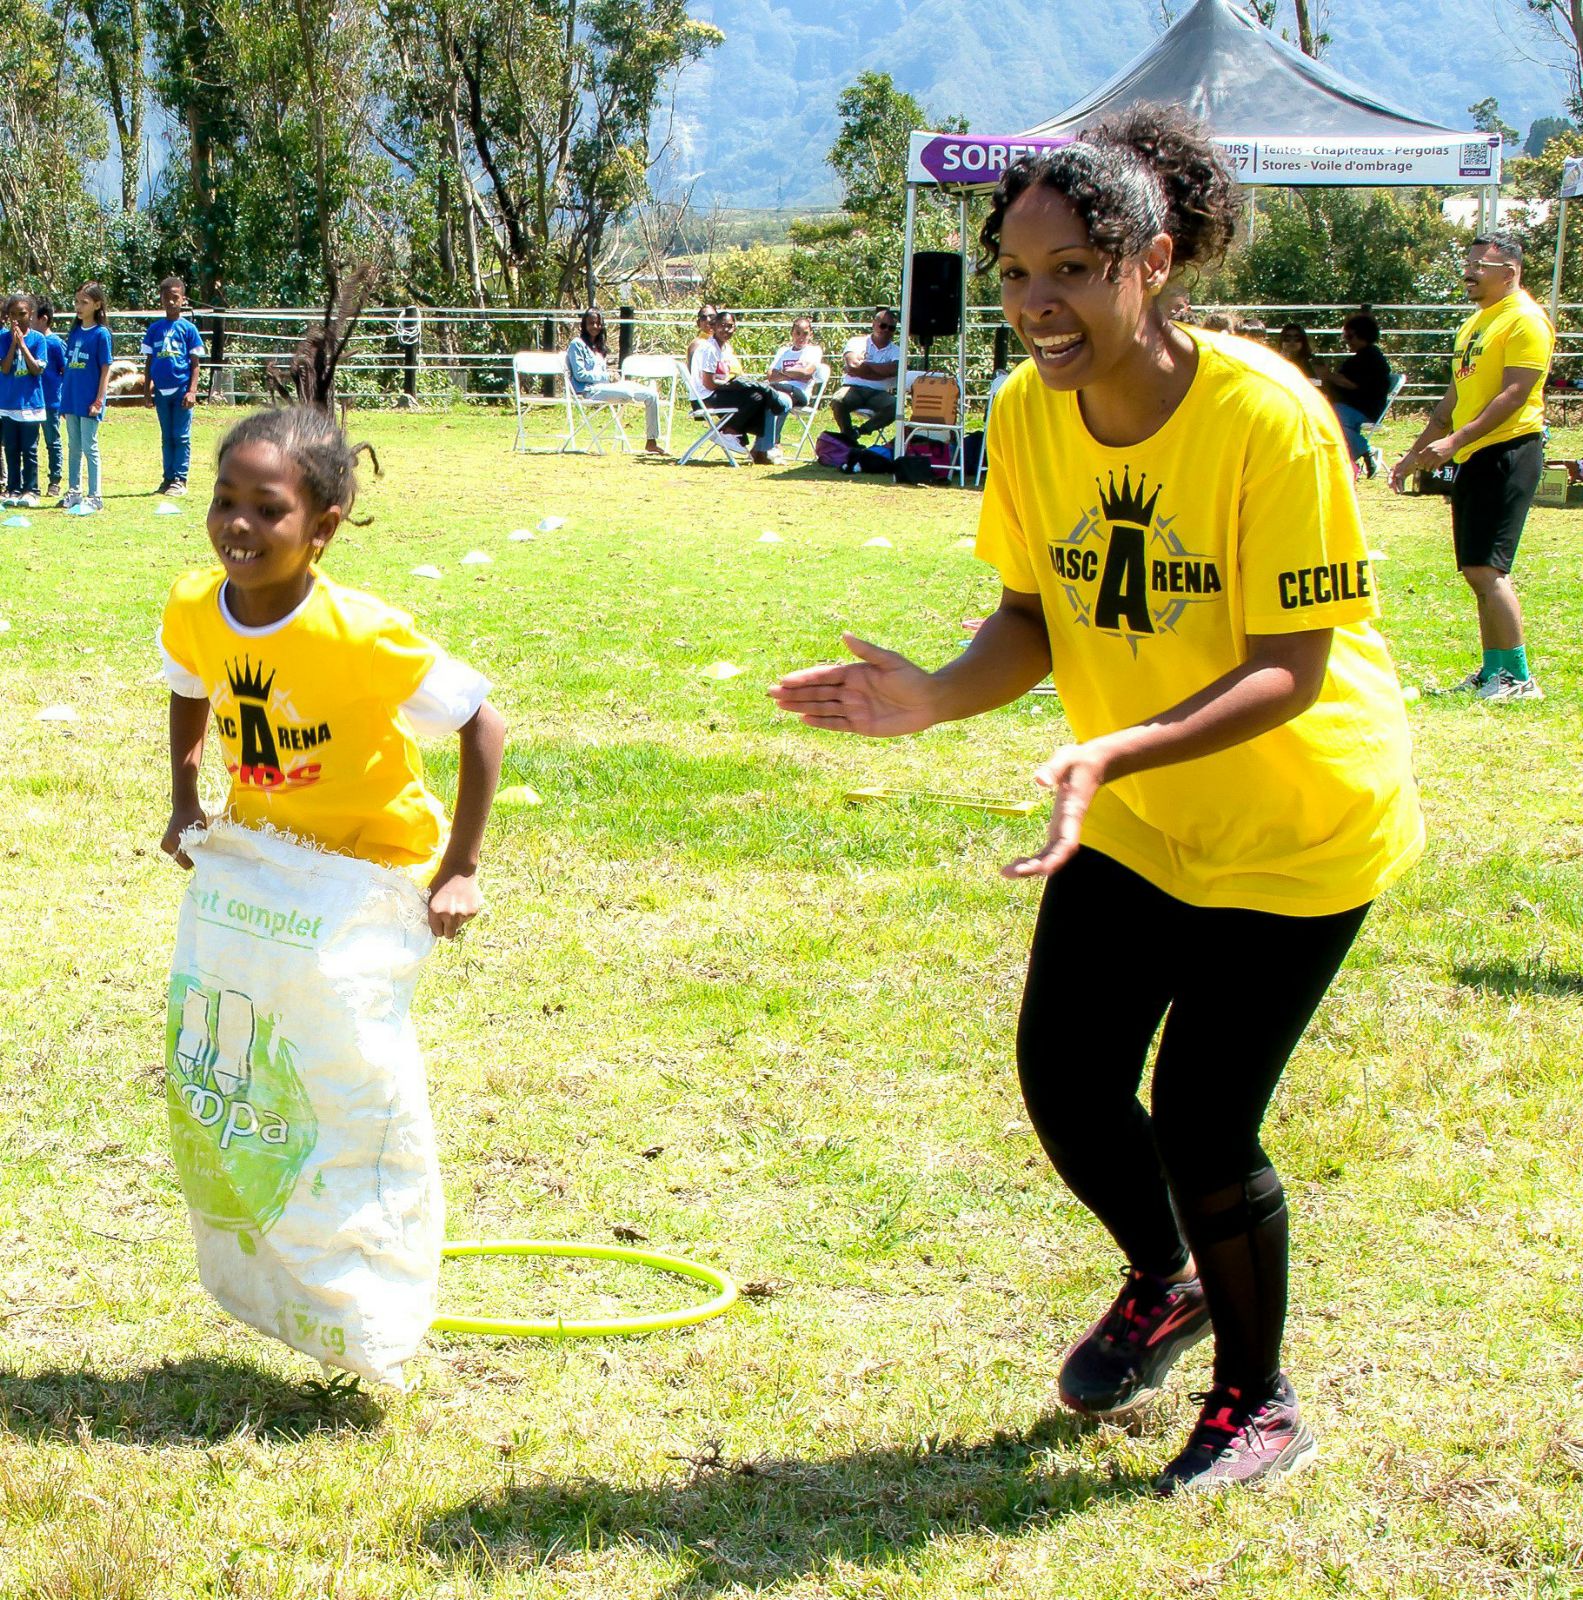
{"x":1490,"y":497}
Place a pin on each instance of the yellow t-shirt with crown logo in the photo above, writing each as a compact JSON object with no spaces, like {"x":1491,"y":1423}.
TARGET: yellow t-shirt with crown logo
{"x":1154,"y":563}
{"x":309,"y":716}
{"x":1514,"y":332}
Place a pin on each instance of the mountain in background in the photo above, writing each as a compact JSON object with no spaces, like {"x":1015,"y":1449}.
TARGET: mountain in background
{"x":755,"y":118}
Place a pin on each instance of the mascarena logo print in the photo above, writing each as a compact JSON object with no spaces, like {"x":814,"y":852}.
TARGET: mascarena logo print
{"x":1123,"y":568}
{"x":1470,"y":353}
{"x":269,"y":743}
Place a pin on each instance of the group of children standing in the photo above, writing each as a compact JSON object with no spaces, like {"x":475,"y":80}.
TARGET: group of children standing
{"x":46,"y":380}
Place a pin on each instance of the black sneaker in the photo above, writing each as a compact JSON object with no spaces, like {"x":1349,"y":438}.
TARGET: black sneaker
{"x":1117,"y":1367}
{"x":1236,"y":1442}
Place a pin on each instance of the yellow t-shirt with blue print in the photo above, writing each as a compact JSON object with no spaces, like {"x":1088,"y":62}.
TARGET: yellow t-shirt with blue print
{"x":1154,"y":563}
{"x":1515,"y":332}
{"x":309,"y":716}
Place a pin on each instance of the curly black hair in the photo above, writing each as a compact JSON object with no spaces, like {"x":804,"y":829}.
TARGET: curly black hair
{"x":309,"y":438}
{"x":1147,"y":171}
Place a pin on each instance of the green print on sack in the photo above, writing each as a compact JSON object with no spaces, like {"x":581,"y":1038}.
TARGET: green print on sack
{"x":241,"y":1124}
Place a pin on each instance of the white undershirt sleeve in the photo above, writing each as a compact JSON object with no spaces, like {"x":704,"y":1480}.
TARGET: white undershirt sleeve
{"x":188,"y":685}
{"x":447,"y":699}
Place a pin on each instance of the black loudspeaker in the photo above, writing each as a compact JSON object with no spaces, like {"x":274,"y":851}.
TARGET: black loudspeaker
{"x":936,"y":294}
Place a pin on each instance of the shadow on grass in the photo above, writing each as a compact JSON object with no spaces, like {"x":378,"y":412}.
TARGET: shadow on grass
{"x":1512,"y":978}
{"x":196,"y":1402}
{"x":769,"y":1521}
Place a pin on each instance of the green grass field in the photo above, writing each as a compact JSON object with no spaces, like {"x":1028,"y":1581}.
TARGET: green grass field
{"x":711,"y":1003}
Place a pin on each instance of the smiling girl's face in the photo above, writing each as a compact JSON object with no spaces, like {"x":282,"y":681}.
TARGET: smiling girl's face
{"x":1079,"y":316}
{"x":266,"y":530}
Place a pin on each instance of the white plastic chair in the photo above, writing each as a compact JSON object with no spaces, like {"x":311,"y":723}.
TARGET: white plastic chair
{"x":655,"y":369}
{"x":710,"y":416}
{"x":806,"y":415}
{"x":995,"y":385}
{"x":530,"y":364}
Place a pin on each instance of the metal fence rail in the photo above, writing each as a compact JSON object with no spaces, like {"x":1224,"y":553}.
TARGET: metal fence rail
{"x":439,"y":353}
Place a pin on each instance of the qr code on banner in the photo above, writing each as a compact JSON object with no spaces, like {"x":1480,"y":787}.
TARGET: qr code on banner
{"x":1476,"y":158}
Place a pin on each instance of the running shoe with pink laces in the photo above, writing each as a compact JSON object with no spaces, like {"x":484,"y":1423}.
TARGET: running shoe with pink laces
{"x":1238,"y":1441}
{"x":1117,"y":1367}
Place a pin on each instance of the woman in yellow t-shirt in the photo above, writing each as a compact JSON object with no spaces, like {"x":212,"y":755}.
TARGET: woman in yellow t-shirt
{"x":1171,"y":514}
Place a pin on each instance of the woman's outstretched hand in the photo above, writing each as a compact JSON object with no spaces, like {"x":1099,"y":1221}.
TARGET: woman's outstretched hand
{"x":881,"y":694}
{"x":1075,"y":773}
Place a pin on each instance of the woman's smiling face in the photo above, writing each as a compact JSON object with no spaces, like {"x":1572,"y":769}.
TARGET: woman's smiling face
{"x":1076,"y":313}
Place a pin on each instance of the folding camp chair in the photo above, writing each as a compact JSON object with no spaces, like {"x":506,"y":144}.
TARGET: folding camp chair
{"x":710,"y":416}
{"x":527,"y":365}
{"x":995,"y":384}
{"x":655,"y":369}
{"x":806,"y":415}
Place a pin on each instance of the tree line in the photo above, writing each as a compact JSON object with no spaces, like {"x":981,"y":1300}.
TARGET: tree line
{"x":470,"y":151}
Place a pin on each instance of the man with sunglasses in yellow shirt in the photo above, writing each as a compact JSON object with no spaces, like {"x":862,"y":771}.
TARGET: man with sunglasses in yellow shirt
{"x":1490,"y":421}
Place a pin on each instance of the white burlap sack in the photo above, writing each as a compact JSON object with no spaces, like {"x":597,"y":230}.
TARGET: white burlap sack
{"x":299,"y":1110}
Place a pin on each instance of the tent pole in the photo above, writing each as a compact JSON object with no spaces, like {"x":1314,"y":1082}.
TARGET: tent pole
{"x":905,"y":320}
{"x":961,"y":356}
{"x":1253,"y":212}
{"x":1555,"y":277}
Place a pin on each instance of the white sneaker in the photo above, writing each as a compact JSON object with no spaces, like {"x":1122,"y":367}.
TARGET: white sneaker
{"x":1504,"y":687}
{"x":1468,"y":685}
{"x":72,"y":497}
{"x":92,"y":503}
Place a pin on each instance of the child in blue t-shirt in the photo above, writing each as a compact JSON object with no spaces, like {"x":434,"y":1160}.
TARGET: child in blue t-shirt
{"x":21,"y":399}
{"x":54,"y":371}
{"x":82,"y":396}
{"x":171,"y":348}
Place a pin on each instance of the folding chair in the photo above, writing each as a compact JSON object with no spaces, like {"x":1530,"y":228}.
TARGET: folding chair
{"x":808,"y":414}
{"x":661,"y":369}
{"x":989,"y":406}
{"x":530,"y":364}
{"x":1367,"y":429}
{"x":580,"y":411}
{"x":710,"y":416}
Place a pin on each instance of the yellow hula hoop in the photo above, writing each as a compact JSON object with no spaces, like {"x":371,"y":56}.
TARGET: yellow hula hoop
{"x":601,"y":1327}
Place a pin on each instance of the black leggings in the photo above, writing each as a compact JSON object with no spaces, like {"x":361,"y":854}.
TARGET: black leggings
{"x":1112,"y":955}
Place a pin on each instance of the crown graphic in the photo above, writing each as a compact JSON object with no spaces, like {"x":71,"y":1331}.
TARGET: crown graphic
{"x":1127,"y":504}
{"x":248,"y":682}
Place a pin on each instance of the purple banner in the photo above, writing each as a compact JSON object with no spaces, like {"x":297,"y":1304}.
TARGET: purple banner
{"x":967,"y":159}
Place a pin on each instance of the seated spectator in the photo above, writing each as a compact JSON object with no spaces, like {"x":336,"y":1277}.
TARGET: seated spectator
{"x":588,"y":372}
{"x":756,"y":408}
{"x":1176,"y":306}
{"x":1360,"y":387}
{"x":868,"y":372}
{"x":796,"y":364}
{"x":1217,"y":321}
{"x":706,"y":331}
{"x":1293,"y":344}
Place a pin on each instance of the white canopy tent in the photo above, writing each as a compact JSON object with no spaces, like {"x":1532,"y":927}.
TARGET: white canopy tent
{"x":1280,"y":118}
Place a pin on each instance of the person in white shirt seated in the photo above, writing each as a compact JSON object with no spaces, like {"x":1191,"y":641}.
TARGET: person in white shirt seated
{"x":756,"y":408}
{"x":868,"y":371}
{"x":796,"y":365}
{"x":588,"y":372}
{"x":706,"y":331}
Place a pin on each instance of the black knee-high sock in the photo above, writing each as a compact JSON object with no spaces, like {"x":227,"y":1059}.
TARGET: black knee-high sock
{"x":1238,"y":1236}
